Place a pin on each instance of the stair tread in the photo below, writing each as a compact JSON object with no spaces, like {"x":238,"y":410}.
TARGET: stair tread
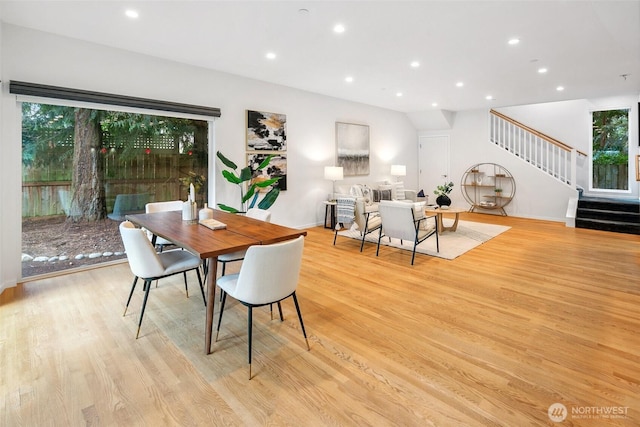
{"x":609,"y":221}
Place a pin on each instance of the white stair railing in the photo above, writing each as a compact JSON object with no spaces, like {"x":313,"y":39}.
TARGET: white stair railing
{"x":540,"y":150}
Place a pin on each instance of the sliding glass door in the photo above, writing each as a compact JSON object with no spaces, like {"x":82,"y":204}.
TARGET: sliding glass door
{"x":84,"y":169}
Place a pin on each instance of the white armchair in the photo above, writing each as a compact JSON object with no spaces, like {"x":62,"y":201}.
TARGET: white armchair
{"x":401,"y":221}
{"x":365,"y":217}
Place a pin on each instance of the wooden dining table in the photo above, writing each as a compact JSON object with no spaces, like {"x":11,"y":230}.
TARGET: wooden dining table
{"x":240,"y":233}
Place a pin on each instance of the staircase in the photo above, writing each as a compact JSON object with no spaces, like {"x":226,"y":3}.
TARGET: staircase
{"x":541,"y":151}
{"x":621,"y":216}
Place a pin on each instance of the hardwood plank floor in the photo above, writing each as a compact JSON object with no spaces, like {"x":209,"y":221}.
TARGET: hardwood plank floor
{"x":538,"y":315}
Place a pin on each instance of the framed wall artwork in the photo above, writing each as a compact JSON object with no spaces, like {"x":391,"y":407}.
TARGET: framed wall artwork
{"x":352,"y":148}
{"x":266,"y":131}
{"x":276,"y":167}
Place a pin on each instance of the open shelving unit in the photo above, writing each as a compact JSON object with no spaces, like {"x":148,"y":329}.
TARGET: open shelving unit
{"x":488,"y":186}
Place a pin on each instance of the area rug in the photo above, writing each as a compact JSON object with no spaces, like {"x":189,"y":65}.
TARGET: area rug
{"x":452,"y":244}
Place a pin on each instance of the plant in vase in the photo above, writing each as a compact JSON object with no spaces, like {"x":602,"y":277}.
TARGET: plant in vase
{"x":442,"y":192}
{"x":498,"y":192}
{"x":249,"y":187}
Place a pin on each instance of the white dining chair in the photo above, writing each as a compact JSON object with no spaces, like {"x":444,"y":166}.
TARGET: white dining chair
{"x":152,"y":207}
{"x":146,"y":264}
{"x":255,"y":213}
{"x":269,"y":274}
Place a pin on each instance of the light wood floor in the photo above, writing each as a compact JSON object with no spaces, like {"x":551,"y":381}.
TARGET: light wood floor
{"x":538,"y":315}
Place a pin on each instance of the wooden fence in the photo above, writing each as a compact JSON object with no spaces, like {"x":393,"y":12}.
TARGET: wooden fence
{"x":613,"y":177}
{"x":45,"y":191}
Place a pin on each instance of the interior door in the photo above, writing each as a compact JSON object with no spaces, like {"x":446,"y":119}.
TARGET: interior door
{"x":433,"y":163}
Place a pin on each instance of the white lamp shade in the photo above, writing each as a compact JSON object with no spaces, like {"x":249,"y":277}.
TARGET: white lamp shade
{"x":333,"y":173}
{"x":398,"y":170}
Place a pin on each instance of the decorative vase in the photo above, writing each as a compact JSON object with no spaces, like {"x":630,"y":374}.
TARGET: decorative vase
{"x":205,"y":213}
{"x":443,"y":200}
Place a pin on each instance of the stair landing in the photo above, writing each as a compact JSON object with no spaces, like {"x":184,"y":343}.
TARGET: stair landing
{"x":617,"y":215}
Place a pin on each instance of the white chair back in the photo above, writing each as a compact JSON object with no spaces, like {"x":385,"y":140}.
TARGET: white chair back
{"x":270,"y":272}
{"x":172,"y":205}
{"x":397,"y":220}
{"x":143,"y":259}
{"x":261,"y":214}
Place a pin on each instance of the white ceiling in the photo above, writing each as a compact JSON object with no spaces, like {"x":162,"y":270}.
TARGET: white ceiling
{"x":586,"y":45}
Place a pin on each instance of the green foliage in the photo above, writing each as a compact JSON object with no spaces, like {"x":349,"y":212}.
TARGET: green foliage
{"x":442,"y":190}
{"x":47,"y":135}
{"x":199,"y":181}
{"x":610,"y":158}
{"x":249,"y":187}
{"x":611,"y":130}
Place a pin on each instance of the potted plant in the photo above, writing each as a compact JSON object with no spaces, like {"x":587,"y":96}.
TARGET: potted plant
{"x":498,"y":192}
{"x":442,"y":192}
{"x":249,"y":187}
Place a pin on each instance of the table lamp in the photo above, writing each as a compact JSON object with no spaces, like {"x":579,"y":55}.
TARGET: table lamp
{"x":333,"y":173}
{"x":398,"y":170}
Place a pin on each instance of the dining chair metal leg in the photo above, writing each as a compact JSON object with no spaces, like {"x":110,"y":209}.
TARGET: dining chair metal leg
{"x":223,"y":300}
{"x":186,"y":287}
{"x":250,"y":331}
{"x":147,"y":287}
{"x":201,"y":286}
{"x":304,"y":332}
{"x":280,"y":310}
{"x":133,"y":288}
{"x":224,"y":266}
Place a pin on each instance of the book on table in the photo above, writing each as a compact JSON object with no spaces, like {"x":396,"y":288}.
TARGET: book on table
{"x":213,"y":224}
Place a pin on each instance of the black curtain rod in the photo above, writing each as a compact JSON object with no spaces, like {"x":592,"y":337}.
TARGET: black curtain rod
{"x":35,"y":89}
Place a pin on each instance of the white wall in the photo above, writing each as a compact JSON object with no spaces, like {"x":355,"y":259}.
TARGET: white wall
{"x":38,"y":57}
{"x":570,"y":122}
{"x":538,"y":195}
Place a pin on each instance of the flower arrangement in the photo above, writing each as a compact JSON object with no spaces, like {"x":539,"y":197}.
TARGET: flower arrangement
{"x":443,"y":190}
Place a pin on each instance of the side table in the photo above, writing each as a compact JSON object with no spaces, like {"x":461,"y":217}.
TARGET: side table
{"x":439,"y":212}
{"x":330,"y":213}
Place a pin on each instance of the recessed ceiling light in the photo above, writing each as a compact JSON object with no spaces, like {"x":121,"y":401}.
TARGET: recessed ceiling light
{"x":560,"y":88}
{"x":339,"y":28}
{"x":514,"y":41}
{"x":415,"y":64}
{"x":270,"y":55}
{"x":133,"y":14}
{"x":434,"y":104}
{"x":348,"y":79}
{"x":398,"y":94}
{"x":542,"y":70}
{"x":459,"y":84}
{"x":489,"y":98}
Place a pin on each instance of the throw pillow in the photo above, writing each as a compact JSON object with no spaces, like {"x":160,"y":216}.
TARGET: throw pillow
{"x":381,"y":195}
{"x":356,"y":190}
{"x":367,"y":194}
{"x":386,"y":187}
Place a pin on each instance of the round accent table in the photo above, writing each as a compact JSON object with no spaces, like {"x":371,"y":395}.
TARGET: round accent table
{"x":439,"y":212}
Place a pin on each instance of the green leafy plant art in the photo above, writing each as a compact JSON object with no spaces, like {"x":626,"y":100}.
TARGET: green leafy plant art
{"x":249,"y":187}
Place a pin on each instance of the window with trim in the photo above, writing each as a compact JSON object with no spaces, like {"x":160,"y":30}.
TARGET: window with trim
{"x":610,"y":150}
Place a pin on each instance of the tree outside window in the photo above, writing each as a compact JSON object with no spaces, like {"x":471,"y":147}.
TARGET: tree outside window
{"x":76,"y":161}
{"x":610,"y":131}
